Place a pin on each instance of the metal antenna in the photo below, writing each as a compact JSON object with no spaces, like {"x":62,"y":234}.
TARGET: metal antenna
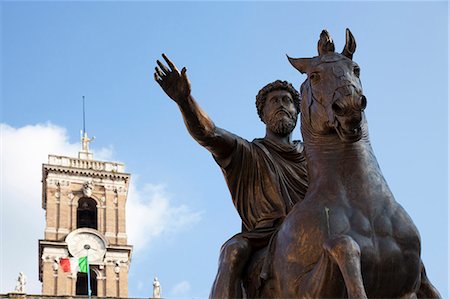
{"x":84,"y":118}
{"x":85,"y":140}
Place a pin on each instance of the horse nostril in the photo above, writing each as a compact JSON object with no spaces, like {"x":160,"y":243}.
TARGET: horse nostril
{"x":363,"y":102}
{"x":337,"y":109}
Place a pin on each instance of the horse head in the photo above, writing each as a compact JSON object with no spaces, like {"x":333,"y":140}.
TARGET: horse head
{"x":332,"y":96}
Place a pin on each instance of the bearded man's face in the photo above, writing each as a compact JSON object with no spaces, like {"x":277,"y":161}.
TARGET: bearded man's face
{"x":279,"y":112}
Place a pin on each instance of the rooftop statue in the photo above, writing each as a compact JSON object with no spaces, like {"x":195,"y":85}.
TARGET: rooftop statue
{"x":156,"y":288}
{"x":21,"y":282}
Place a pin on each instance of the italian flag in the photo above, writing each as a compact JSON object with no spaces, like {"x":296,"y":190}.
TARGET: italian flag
{"x":74,"y":264}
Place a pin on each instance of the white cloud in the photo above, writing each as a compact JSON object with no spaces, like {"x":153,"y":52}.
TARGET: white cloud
{"x":23,"y":150}
{"x":150,"y":212}
{"x":181,"y":288}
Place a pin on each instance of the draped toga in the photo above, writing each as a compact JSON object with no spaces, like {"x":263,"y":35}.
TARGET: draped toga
{"x":266,"y":180}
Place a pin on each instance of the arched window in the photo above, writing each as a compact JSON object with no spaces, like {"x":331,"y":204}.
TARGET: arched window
{"x":87,"y":213}
{"x":82,"y":285}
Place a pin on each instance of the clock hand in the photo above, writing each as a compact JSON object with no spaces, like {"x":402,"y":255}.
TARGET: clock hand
{"x":84,"y":248}
{"x":78,"y":252}
{"x":88,"y":247}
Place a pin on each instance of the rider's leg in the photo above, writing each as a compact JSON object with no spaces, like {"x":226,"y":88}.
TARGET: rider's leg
{"x":345,"y":252}
{"x":233,"y":257}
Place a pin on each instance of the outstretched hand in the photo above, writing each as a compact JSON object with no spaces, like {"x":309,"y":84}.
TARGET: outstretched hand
{"x":175,"y":84}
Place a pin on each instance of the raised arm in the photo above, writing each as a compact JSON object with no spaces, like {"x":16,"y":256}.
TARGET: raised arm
{"x":177,"y":86}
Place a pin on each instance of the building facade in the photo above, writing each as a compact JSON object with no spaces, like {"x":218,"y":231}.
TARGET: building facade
{"x":85,"y":204}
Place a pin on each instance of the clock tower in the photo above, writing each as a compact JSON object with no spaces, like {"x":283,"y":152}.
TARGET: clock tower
{"x":85,"y":203}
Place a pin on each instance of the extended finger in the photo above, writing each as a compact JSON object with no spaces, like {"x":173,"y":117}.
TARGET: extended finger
{"x":157,"y":78}
{"x":183,"y":72}
{"x":170,"y":63}
{"x":158,"y":71}
{"x":163,"y":67}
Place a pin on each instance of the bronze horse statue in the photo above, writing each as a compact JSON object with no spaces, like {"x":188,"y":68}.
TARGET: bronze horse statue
{"x":348,"y":237}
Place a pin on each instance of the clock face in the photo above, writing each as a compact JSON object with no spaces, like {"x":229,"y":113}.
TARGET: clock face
{"x":87,"y":244}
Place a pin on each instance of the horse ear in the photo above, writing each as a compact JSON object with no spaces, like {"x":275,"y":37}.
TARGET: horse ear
{"x":301,"y":64}
{"x":350,"y":44}
{"x":325,"y":44}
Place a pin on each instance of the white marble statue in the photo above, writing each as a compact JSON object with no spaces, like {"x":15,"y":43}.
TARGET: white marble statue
{"x":21,"y":282}
{"x":156,"y":288}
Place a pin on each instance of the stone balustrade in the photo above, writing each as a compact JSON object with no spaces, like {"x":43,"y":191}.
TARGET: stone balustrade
{"x":86,"y":164}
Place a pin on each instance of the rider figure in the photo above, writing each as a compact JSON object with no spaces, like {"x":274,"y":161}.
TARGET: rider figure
{"x":266,"y":176}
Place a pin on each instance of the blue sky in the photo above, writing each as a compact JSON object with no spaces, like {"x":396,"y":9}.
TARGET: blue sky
{"x":53,"y":53}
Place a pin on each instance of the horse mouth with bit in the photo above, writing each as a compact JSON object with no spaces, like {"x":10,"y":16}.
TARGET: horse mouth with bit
{"x":349,"y":135}
{"x":348,"y":111}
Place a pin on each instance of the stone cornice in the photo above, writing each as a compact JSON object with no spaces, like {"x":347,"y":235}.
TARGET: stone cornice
{"x":81,"y":168}
{"x":86,"y":172}
{"x":86,"y":163}
{"x":63,"y":244}
{"x":76,"y":166}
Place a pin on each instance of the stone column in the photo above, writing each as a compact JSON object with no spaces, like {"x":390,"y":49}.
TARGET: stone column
{"x":63,"y":286}
{"x":123,"y":280}
{"x":101,"y":210}
{"x":54,"y":280}
{"x":121,"y":236}
{"x":111,"y":282}
{"x":110,"y":233}
{"x":101,"y":287}
{"x":51,"y":210}
{"x":48,"y":278}
{"x":64,"y":210}
{"x":72,"y":286}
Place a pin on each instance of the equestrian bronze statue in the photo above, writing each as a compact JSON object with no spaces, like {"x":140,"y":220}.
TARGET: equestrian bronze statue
{"x":346,"y":237}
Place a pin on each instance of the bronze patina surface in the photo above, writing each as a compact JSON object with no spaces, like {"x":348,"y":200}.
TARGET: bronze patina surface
{"x":319,"y":220}
{"x":348,"y":237}
{"x":266,"y":177}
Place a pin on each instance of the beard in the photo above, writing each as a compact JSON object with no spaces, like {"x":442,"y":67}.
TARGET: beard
{"x":280,"y":124}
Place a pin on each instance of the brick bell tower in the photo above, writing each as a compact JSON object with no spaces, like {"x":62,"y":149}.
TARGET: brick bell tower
{"x":85,"y":201}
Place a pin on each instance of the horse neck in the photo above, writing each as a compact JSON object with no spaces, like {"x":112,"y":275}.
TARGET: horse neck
{"x":333,"y":161}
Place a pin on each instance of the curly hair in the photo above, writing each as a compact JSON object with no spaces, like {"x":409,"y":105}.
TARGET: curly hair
{"x":276,"y":85}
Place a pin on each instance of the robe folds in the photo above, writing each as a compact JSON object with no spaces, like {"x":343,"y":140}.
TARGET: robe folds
{"x":265,"y":180}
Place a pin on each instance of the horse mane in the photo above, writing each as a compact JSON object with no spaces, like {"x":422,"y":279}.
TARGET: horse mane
{"x":305,"y":107}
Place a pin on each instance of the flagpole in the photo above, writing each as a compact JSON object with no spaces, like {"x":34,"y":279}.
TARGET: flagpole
{"x":88,"y":275}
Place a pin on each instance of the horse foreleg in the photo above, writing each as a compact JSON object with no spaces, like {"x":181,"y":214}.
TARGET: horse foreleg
{"x":345,"y":252}
{"x":426,"y":289}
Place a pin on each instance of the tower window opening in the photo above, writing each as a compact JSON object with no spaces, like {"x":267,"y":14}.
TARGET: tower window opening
{"x":82,"y":283}
{"x":87,"y":213}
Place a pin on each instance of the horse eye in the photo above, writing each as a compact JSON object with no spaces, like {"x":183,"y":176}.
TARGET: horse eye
{"x":356,"y":71}
{"x":314,"y":77}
